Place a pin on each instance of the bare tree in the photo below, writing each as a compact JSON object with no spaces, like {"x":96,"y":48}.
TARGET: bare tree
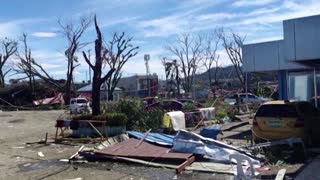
{"x":172,"y":76}
{"x":232,"y":43}
{"x":211,"y":58}
{"x":73,"y":34}
{"x":31,"y":68}
{"x":9,"y":47}
{"x":187,"y":50}
{"x":120,"y":50}
{"x":97,"y":79}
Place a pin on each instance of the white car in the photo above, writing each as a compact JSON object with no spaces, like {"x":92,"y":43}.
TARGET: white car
{"x":245,"y":98}
{"x":79,"y":105}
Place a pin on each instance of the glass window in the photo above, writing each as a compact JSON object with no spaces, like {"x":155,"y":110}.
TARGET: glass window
{"x":301,"y":86}
{"x":277,"y":110}
{"x":81,"y":101}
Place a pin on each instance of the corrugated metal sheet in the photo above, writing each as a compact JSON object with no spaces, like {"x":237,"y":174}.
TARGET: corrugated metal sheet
{"x":142,"y":150}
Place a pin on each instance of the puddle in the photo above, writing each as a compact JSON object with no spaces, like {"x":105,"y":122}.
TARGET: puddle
{"x":16,"y":121}
{"x":25,"y":167}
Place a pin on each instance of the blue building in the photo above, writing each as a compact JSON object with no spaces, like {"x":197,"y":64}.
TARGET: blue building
{"x":296,"y":58}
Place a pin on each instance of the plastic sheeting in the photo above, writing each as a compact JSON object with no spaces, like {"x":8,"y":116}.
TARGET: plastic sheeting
{"x":156,"y":138}
{"x":188,"y":142}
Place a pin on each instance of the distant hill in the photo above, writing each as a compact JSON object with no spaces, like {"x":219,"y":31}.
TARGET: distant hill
{"x":229,"y":72}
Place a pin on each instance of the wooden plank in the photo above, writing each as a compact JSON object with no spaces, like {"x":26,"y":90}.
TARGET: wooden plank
{"x":96,"y":129}
{"x":75,"y":154}
{"x":142,"y":139}
{"x":280,"y":174}
{"x":185,"y":164}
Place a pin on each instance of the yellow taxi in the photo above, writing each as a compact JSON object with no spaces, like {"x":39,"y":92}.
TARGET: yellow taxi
{"x":283,"y":119}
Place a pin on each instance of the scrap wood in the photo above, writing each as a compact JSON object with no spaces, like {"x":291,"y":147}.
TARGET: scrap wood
{"x":289,"y":141}
{"x":144,"y":151}
{"x":200,"y":166}
{"x":142,"y":139}
{"x":280,"y":174}
{"x":75,"y":154}
{"x":185,"y":164}
{"x":95,"y":129}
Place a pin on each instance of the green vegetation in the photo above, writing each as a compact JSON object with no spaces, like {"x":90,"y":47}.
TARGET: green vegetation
{"x":129,"y":112}
{"x":209,"y":102}
{"x":112,"y":119}
{"x":138,"y":118}
{"x":188,"y":107}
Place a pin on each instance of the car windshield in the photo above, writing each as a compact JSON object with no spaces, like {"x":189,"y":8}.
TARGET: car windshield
{"x":277,"y":110}
{"x":81,"y":101}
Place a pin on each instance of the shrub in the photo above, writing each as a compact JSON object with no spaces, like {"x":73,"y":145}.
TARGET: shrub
{"x":82,"y":117}
{"x":222,"y":110}
{"x":133,"y":109}
{"x":116,"y":119}
{"x":151,"y":119}
{"x":188,"y":107}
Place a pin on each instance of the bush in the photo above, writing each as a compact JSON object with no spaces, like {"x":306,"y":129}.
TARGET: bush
{"x":151,"y":119}
{"x":112,"y":119}
{"x":209,"y":102}
{"x":222,"y":111}
{"x":116,"y":119}
{"x":133,"y":109}
{"x":188,"y":107}
{"x":137,"y":118}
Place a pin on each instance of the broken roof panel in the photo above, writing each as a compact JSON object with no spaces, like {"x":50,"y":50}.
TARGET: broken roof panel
{"x":134,"y":148}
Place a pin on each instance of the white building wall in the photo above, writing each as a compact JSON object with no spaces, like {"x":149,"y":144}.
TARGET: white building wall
{"x":302,"y":38}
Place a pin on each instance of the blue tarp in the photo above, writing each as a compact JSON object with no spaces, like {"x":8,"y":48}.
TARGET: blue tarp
{"x":211,"y":131}
{"x":188,"y":142}
{"x":157,"y":138}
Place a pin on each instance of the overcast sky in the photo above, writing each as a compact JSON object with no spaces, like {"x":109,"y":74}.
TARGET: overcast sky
{"x":153,"y":23}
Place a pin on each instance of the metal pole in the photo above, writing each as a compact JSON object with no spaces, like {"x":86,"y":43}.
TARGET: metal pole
{"x":193,"y":86}
{"x":246,"y":86}
{"x":315,"y":87}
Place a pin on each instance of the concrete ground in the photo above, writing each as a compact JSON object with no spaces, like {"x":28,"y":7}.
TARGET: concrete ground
{"x":311,"y":171}
{"x":21,"y":161}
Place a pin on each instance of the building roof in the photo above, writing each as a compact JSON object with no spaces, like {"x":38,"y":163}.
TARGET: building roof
{"x":88,"y":88}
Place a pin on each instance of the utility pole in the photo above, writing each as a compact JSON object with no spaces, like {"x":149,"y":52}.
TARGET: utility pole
{"x":146,"y":59}
{"x":193,"y":83}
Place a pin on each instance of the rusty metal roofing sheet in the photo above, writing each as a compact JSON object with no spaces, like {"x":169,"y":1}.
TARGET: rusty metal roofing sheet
{"x":136,"y":149}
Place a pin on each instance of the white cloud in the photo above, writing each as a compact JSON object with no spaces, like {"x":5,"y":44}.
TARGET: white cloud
{"x":242,"y":3}
{"x":61,"y":72}
{"x":50,"y":66}
{"x":14,"y":28}
{"x":47,"y":56}
{"x":215,"y":16}
{"x":44,"y":34}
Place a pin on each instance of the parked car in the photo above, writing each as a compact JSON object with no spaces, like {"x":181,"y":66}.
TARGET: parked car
{"x":190,"y":101}
{"x":79,"y":105}
{"x":285,"y":119}
{"x":167,"y":105}
{"x":150,"y":100}
{"x":245,"y":98}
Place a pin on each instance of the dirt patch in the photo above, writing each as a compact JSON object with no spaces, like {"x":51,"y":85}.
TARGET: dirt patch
{"x":16,"y":121}
{"x":5,"y":115}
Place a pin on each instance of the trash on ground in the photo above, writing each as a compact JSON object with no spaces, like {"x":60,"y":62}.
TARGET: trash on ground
{"x":156,"y":138}
{"x":175,"y":120}
{"x":188,"y":142}
{"x":281,"y":174}
{"x":211,"y":131}
{"x":207,"y":113}
{"x":40,"y":154}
